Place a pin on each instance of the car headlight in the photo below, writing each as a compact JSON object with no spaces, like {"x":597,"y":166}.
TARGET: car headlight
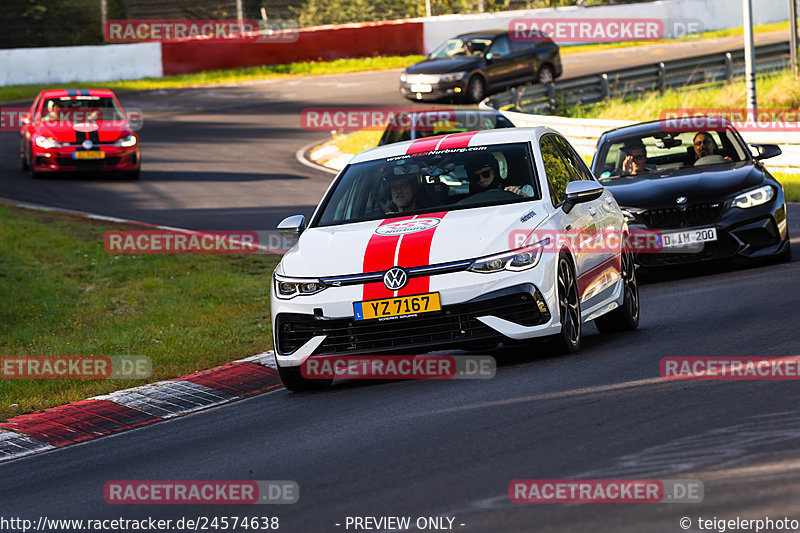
{"x":452,"y":76}
{"x":286,"y":288}
{"x":130,"y":140}
{"x":46,"y":142}
{"x":515,"y":260}
{"x":755,"y":197}
{"x":403,"y":77}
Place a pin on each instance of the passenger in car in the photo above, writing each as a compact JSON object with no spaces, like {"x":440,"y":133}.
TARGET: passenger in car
{"x":635,"y":158}
{"x":704,"y":144}
{"x":484,"y":175}
{"x":705,"y":151}
{"x":404,"y":194}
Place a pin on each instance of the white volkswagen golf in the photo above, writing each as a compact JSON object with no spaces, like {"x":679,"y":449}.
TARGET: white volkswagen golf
{"x":464,"y":240}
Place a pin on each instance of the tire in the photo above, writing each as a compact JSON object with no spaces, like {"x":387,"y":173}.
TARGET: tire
{"x":476,"y":89}
{"x":568,"y":340}
{"x":293,"y":380}
{"x":626,"y":316}
{"x":546,"y":74}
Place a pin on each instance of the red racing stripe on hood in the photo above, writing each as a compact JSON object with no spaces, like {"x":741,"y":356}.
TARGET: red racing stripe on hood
{"x":410,"y":249}
{"x":415,"y":250}
{"x":379,"y":256}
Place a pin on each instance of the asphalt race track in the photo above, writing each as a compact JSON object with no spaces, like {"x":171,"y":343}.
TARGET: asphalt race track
{"x":224,"y":158}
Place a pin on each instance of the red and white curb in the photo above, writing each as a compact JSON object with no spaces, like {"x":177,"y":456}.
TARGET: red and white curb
{"x":130,"y":408}
{"x":326,"y":156}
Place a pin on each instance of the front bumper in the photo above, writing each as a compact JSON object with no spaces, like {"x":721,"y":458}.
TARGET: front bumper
{"x":438,"y":90}
{"x":741,"y":233}
{"x":117,"y":159}
{"x":475,"y":308}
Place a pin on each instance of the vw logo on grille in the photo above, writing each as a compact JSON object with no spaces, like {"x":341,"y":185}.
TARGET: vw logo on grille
{"x":87,"y":144}
{"x":395,"y":279}
{"x":680,"y":200}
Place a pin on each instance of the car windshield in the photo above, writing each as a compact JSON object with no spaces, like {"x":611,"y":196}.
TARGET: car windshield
{"x":663,"y":152}
{"x":419,"y":125}
{"x":81,"y":109}
{"x":461,"y":48}
{"x":448,"y":179}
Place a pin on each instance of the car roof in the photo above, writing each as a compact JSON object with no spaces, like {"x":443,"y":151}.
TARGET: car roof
{"x":482,"y":33}
{"x":455,"y":112}
{"x":453,"y":140}
{"x":643,"y":129}
{"x":59,"y":93}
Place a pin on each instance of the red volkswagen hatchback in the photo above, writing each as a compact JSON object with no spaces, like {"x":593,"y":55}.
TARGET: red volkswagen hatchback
{"x":78,"y":130}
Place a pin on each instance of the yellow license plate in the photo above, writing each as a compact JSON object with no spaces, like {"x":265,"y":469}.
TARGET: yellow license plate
{"x":402,"y":306}
{"x":89,"y":155}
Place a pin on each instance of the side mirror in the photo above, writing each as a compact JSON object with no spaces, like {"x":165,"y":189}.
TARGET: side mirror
{"x":765,"y":151}
{"x":581,"y":191}
{"x":291,"y":227}
{"x":25,"y":119}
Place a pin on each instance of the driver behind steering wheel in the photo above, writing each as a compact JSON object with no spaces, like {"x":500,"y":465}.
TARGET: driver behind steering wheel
{"x":484,"y":175}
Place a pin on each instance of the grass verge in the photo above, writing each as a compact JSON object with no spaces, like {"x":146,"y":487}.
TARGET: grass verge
{"x":358,"y":141}
{"x":715,"y":34}
{"x":778,"y":90}
{"x":213,"y":77}
{"x":64,"y":295}
{"x":791,"y":185}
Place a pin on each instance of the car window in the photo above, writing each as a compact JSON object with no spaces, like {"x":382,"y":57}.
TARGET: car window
{"x":419,"y":125}
{"x":500,"y":46}
{"x":80,"y":109}
{"x":555,"y":170}
{"x":670,"y":151}
{"x":432,"y":181}
{"x":520,"y":46}
{"x":460,"y":48}
{"x":572,"y":159}
{"x":34,"y":107}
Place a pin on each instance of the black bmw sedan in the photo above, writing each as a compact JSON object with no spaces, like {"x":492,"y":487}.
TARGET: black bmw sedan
{"x":697,"y":184}
{"x":471,"y":65}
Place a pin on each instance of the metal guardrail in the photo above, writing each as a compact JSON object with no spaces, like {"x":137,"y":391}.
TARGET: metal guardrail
{"x":708,"y":70}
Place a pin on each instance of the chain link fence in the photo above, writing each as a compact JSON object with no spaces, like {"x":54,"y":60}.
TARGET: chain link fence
{"x":36,"y":23}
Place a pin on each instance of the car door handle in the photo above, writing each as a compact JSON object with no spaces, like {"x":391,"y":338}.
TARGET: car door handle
{"x":609,"y":201}
{"x":593,"y":211}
